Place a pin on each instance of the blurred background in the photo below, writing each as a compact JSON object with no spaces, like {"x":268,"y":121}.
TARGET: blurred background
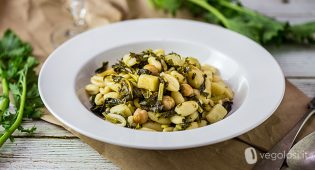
{"x":42,"y":22}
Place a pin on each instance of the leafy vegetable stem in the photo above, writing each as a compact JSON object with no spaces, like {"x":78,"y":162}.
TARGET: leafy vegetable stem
{"x":5,"y":86}
{"x":19,"y":118}
{"x":236,"y":7}
{"x":211,"y":9}
{"x":4,"y":103}
{"x":161,"y":90}
{"x":240,"y":9}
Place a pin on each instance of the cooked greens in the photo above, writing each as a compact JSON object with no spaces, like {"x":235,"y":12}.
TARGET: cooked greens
{"x":155,"y":91}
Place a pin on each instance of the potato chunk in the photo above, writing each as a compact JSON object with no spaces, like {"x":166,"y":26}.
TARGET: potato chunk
{"x":218,"y":112}
{"x":217,"y":89}
{"x":148,"y":82}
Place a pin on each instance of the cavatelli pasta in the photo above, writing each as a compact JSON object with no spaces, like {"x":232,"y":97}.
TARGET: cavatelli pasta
{"x":159,"y":92}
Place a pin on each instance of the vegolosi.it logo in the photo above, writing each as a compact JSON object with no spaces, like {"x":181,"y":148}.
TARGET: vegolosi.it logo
{"x":250,"y":155}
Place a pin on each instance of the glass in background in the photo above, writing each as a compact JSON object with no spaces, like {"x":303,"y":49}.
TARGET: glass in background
{"x":63,"y":33}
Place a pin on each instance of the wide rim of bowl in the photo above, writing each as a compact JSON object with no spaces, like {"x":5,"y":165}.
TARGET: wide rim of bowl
{"x":57,"y":82}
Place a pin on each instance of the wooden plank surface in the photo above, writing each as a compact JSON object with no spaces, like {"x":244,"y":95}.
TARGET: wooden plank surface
{"x":49,"y":153}
{"x":296,"y":11}
{"x":278,"y":8}
{"x":295,"y":61}
{"x":44,"y":129}
{"x":51,"y":147}
{"x":306,"y":85}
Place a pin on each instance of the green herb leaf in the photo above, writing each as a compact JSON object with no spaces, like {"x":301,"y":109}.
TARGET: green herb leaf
{"x":232,"y":15}
{"x":301,"y":33}
{"x":19,"y":78}
{"x":102,"y":68}
{"x":168,"y":5}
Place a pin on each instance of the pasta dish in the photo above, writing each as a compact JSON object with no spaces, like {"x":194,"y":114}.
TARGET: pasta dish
{"x":155,"y":91}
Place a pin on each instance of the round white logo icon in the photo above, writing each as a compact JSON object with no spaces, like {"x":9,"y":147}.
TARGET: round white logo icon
{"x":250,"y":155}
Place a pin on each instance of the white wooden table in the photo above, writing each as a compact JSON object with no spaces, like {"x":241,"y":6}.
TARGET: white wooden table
{"x":54,"y":148}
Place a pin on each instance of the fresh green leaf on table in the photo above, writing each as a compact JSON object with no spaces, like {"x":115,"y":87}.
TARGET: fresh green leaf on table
{"x":19,"y":80}
{"x":302,"y":33}
{"x":170,"y":5}
{"x":232,"y":15}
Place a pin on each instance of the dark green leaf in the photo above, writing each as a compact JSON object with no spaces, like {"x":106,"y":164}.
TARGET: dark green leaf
{"x":102,"y":68}
{"x":168,"y":5}
{"x":228,"y":105}
{"x":232,"y":15}
{"x":301,"y":33}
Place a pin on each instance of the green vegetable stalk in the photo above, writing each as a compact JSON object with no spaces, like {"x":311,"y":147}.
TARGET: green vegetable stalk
{"x":4,"y":99}
{"x":213,"y":10}
{"x":20,"y":112}
{"x":19,"y":80}
{"x":232,"y":15}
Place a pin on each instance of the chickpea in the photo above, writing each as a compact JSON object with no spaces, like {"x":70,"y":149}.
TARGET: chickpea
{"x":168,"y":102}
{"x":152,"y":69}
{"x":186,"y":90}
{"x":140,"y":116}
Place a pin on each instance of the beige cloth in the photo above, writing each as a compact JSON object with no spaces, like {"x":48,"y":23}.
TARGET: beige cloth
{"x":35,"y":20}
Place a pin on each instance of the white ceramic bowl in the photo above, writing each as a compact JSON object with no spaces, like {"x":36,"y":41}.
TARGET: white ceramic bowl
{"x":249,"y":69}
